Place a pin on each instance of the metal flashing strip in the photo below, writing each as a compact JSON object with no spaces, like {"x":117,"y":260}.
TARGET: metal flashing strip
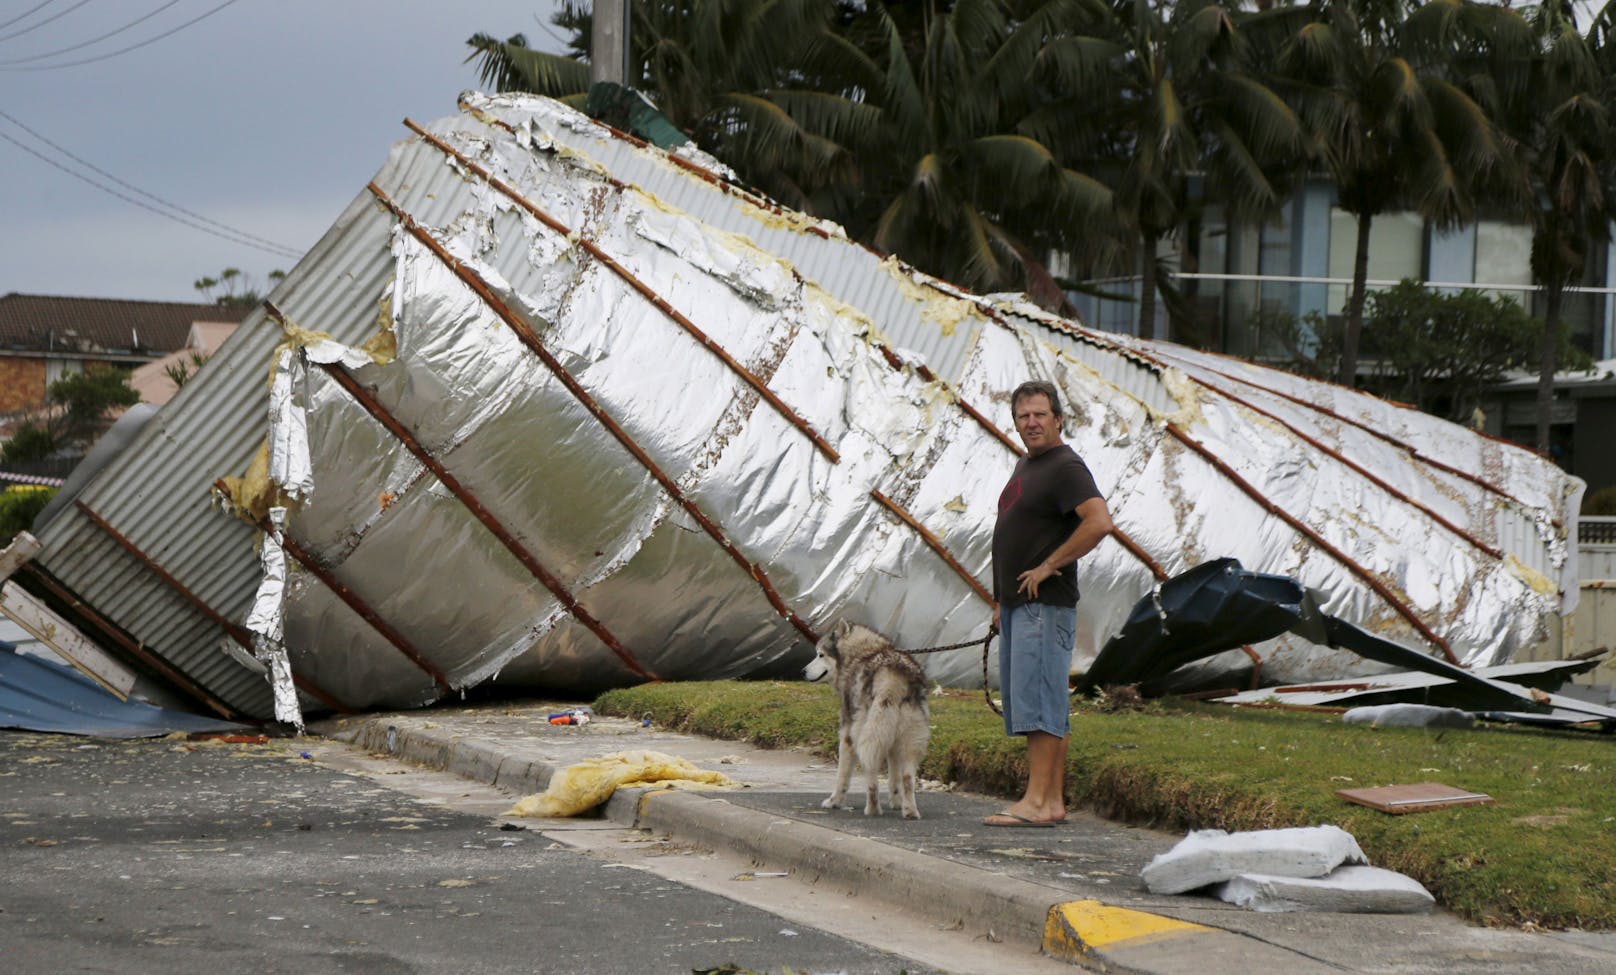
{"x":644,"y":290}
{"x":236,"y":631}
{"x":526,"y":334}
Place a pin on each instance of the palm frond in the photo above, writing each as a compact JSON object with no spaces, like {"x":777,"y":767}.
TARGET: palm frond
{"x":1081,"y":64}
{"x":511,"y":65}
{"x":768,"y":137}
{"x":1010,"y":169}
{"x":1081,"y":198}
{"x":1267,"y":122}
{"x":978,"y":265}
{"x":901,"y":95}
{"x":1240,"y":178}
{"x":857,"y":125}
{"x":1200,"y":33}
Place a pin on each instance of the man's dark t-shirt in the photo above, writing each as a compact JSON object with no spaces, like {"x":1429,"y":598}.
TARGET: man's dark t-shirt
{"x":1037,"y":512}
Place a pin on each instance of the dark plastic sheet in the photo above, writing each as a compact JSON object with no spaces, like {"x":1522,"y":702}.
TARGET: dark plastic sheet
{"x":1219,"y":606}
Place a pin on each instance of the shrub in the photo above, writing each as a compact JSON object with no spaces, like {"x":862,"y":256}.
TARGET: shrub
{"x":18,"y":506}
{"x":30,"y":442}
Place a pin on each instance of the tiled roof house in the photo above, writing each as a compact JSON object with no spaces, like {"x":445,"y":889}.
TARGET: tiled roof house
{"x":43,"y":337}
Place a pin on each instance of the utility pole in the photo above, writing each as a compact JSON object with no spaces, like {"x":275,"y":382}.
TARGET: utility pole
{"x":608,"y":42}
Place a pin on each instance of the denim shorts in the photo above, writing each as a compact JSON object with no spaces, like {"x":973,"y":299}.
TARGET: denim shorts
{"x":1035,"y":664}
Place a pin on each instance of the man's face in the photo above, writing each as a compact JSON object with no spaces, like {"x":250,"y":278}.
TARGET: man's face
{"x":1037,"y":423}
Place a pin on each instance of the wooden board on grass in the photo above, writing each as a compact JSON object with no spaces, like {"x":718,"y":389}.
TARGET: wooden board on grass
{"x":1418,"y":797}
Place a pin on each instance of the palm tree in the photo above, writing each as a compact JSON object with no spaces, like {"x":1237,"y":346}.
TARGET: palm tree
{"x":1372,"y":81}
{"x":950,"y":130}
{"x":1560,"y":109}
{"x":1154,"y":93}
{"x":912,"y":129}
{"x":710,"y":65}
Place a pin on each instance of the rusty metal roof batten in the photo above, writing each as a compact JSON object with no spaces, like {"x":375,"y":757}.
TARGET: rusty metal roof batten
{"x":645,"y":290}
{"x":1313,"y":536}
{"x":531,"y":340}
{"x":1100,"y":341}
{"x":935,"y":544}
{"x":355,"y":389}
{"x":381,"y":626}
{"x":237,"y":632}
{"x":1337,"y":455}
{"x":1475,"y":479}
{"x":133,"y":647}
{"x":367,"y":614}
{"x":926,"y":374}
{"x":1359,"y":468}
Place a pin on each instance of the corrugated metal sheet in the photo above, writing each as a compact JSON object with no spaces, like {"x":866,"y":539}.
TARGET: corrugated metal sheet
{"x":158,"y":492}
{"x":1201,"y":456}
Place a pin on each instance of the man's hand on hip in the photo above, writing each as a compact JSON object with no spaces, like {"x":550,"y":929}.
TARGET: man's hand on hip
{"x":1029,"y":581}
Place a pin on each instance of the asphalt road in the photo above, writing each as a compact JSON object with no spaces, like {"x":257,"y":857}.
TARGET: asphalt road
{"x":184,"y":858}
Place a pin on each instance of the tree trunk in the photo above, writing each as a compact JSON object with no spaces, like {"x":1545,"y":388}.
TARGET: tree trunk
{"x":1547,"y":361}
{"x":1147,"y":290}
{"x":1355,"y":304}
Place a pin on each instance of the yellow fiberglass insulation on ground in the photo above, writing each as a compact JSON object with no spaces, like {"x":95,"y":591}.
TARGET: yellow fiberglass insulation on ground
{"x":581,"y":787}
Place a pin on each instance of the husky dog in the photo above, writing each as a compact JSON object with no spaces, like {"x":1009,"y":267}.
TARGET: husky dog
{"x":884,"y":719}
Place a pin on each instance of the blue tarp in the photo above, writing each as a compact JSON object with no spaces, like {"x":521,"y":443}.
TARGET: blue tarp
{"x":38,"y":695}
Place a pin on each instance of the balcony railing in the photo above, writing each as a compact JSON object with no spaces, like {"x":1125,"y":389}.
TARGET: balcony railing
{"x":1593,"y":530}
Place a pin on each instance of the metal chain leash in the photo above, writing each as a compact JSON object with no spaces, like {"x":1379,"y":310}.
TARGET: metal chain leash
{"x":987,"y":641}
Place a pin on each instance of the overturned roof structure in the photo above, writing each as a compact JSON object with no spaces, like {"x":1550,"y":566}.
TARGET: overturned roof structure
{"x":554,"y":406}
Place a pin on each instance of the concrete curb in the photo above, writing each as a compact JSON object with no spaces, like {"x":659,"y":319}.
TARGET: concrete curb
{"x":1088,"y":933}
{"x":1005,"y":908}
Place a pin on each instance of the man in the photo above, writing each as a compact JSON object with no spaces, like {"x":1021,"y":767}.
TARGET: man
{"x":1050,"y":515}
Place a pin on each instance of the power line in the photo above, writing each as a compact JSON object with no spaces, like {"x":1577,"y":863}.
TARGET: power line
{"x":233,"y":236}
{"x":292,"y":252}
{"x":25,"y":13}
{"x":94,"y":40}
{"x":57,"y":16}
{"x":122,"y":50}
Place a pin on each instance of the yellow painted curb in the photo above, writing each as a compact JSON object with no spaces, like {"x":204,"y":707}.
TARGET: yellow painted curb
{"x":1075,"y":929}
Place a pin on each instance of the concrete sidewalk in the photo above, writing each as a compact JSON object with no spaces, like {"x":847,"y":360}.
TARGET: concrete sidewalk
{"x":1072,"y":891}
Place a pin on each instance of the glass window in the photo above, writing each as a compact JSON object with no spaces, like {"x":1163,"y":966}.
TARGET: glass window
{"x":1396,"y":250}
{"x":1504,"y":256}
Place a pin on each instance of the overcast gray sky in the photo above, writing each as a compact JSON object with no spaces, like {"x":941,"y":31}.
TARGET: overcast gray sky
{"x":267,"y":116}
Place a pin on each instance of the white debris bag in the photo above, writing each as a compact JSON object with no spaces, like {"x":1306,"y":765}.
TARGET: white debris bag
{"x":1347,"y":890}
{"x":1409,"y":716}
{"x":1212,"y":856}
